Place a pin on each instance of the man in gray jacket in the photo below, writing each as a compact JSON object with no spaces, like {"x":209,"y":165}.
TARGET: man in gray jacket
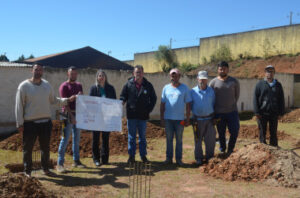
{"x":33,"y":116}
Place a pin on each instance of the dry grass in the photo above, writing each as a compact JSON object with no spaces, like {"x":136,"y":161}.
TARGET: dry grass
{"x":167,"y":181}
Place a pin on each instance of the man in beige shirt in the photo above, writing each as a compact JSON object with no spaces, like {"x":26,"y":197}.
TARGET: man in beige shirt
{"x":33,"y":116}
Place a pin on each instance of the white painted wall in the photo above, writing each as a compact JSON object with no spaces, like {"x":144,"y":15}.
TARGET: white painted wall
{"x":10,"y":77}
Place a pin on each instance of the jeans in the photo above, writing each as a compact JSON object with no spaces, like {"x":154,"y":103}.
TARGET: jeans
{"x":31,"y":132}
{"x":262,"y":125}
{"x":230,"y":120}
{"x":64,"y":143}
{"x":174,"y":127}
{"x":104,"y":151}
{"x":133,"y":125}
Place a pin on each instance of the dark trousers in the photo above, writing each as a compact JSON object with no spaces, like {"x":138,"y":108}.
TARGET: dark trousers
{"x":262,"y":125}
{"x":31,"y":132}
{"x":104,"y":151}
{"x":230,"y":120}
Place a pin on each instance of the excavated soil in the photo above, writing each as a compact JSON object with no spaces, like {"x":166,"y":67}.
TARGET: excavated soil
{"x":14,"y":185}
{"x":257,"y":162}
{"x":252,"y":132}
{"x":293,"y":116}
{"x":117,"y":141}
{"x":254,"y":67}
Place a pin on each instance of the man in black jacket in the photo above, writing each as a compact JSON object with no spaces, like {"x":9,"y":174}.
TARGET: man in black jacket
{"x":268,"y":103}
{"x":140,"y":97}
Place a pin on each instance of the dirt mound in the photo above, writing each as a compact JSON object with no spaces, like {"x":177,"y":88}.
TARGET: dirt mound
{"x":293,"y":116}
{"x":18,"y":185}
{"x":257,"y":162}
{"x":254,"y":67}
{"x":117,"y":141}
{"x":252,"y":132}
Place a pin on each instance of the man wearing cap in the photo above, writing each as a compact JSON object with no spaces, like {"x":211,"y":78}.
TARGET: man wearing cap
{"x":140,"y":98}
{"x":227,"y":91}
{"x":268,"y":103}
{"x":175,"y":96}
{"x":33,"y":116}
{"x":203,"y":101}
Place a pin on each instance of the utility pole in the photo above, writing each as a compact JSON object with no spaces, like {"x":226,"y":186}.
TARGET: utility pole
{"x":291,"y":18}
{"x":170,"y":43}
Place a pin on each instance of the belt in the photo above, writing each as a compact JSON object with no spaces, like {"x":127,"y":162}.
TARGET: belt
{"x":207,"y":116}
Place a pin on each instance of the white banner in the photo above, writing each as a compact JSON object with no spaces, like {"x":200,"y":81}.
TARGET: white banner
{"x":98,"y":114}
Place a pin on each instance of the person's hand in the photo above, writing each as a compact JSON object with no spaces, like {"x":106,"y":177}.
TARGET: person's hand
{"x":72,"y":98}
{"x":187,"y":123}
{"x":21,"y":129}
{"x":258,"y":117}
{"x":162,"y":122}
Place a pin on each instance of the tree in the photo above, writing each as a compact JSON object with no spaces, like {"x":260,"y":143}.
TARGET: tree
{"x":21,"y":58}
{"x":166,"y":58}
{"x":3,"y":58}
{"x":31,"y":56}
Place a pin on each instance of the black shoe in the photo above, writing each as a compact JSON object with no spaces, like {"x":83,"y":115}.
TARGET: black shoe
{"x":131,"y":160}
{"x":179,"y":163}
{"x":78,"y":164}
{"x":144,"y":159}
{"x":49,"y":173}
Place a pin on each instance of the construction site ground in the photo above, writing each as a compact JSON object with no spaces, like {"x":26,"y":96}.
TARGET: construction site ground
{"x":253,"y":170}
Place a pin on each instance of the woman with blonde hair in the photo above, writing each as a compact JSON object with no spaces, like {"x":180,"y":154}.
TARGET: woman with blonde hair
{"x":101,"y":89}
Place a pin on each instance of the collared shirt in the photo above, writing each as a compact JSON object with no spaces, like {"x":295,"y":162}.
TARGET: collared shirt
{"x":203,"y":102}
{"x":271,"y":83}
{"x":175,"y":99}
{"x":137,"y":85}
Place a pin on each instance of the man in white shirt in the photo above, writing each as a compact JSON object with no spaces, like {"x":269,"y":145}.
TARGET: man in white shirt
{"x":33,"y":116}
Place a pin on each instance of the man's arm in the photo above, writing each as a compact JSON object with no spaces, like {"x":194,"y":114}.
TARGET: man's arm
{"x":255,"y":101}
{"x":124,"y":94}
{"x":162,"y":113}
{"x":188,"y":112}
{"x":237,"y":91}
{"x":281,"y":101}
{"x":19,"y":110}
{"x":153,"y":99}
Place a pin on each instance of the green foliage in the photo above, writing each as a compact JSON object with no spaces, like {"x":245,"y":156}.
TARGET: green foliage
{"x":21,"y":58}
{"x":166,"y":57}
{"x":185,"y":67}
{"x":221,"y":54}
{"x":3,"y":58}
{"x":204,"y":60}
{"x":31,"y":56}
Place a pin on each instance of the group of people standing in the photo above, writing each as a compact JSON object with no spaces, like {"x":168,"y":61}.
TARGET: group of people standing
{"x":211,"y":104}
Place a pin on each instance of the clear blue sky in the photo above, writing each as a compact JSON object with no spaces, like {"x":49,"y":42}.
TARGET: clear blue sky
{"x":125,"y":27}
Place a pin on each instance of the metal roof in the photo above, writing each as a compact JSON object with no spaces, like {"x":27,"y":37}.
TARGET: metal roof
{"x":12,"y":64}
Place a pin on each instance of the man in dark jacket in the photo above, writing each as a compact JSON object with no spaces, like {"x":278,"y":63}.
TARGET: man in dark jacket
{"x":268,"y":103}
{"x":140,"y":98}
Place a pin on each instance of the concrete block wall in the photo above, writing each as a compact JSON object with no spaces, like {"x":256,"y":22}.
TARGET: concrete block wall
{"x":10,"y":77}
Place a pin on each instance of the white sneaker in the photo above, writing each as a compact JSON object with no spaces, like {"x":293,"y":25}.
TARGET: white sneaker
{"x":61,"y":169}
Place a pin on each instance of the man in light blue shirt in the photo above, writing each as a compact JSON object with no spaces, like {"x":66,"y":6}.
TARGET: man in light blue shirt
{"x":203,"y":101}
{"x":175,"y":96}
